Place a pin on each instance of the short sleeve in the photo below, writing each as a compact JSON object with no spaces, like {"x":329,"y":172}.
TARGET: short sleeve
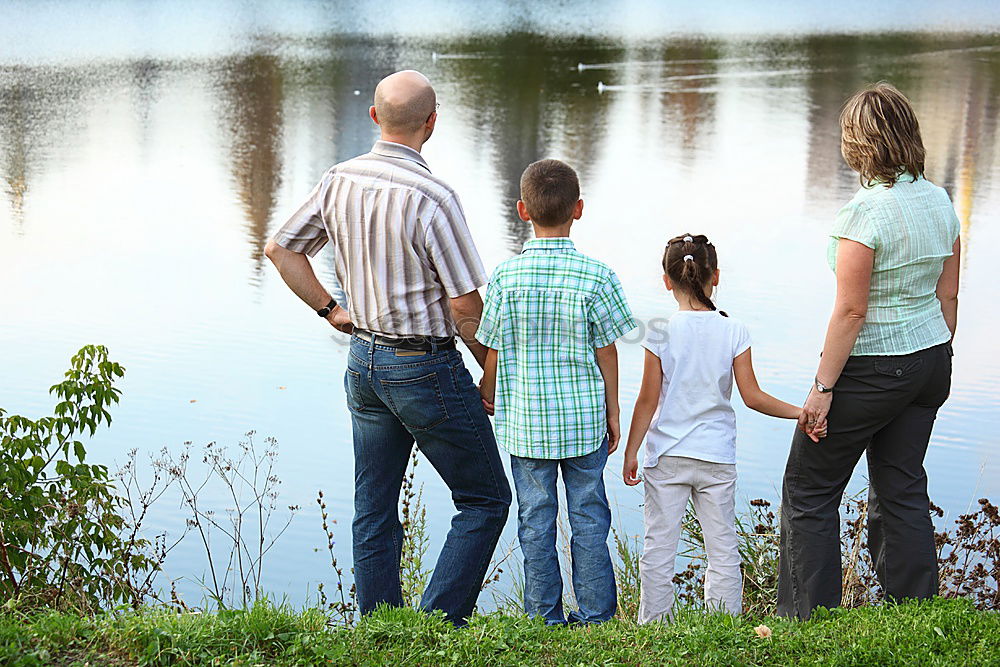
{"x":451,"y":250}
{"x":956,"y":226}
{"x":489,"y":324}
{"x":305,"y":232}
{"x":854,"y":223}
{"x":741,"y":340}
{"x":609,"y":317}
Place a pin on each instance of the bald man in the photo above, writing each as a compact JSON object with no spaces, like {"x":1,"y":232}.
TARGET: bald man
{"x":405,"y":258}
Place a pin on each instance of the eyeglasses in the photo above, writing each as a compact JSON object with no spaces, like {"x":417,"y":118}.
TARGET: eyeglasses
{"x":436,"y":107}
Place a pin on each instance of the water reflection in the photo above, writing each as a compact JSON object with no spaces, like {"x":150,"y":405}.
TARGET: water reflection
{"x":38,"y":108}
{"x":176,"y":161}
{"x":252,"y":92}
{"x":524,"y":100}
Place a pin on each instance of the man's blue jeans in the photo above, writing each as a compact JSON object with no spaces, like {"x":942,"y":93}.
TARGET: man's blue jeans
{"x":397,"y":398}
{"x":589,"y":521}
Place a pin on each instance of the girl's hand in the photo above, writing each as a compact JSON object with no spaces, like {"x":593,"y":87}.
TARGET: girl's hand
{"x":630,"y":470}
{"x":812,"y":420}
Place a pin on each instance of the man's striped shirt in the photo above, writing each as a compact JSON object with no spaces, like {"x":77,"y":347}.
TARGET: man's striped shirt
{"x":402,"y":246}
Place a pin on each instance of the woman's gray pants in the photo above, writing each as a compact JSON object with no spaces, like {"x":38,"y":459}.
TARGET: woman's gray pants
{"x":885,"y":407}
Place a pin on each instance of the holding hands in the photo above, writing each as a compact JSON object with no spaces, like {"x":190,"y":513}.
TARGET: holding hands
{"x":813,"y":418}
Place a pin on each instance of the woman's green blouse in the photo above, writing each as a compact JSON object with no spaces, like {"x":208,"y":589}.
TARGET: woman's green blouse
{"x":912,"y":227}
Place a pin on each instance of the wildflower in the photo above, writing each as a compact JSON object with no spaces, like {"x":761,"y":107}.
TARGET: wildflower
{"x":763,"y":631}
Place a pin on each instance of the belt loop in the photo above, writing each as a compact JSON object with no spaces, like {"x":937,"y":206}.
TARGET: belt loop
{"x":434,"y":344}
{"x":371,"y":358}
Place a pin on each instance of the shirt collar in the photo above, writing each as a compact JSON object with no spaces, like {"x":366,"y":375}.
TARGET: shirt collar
{"x":553,"y":244}
{"x":392,"y":149}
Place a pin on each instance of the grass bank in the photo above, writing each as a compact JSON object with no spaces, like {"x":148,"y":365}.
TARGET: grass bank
{"x":942,"y":632}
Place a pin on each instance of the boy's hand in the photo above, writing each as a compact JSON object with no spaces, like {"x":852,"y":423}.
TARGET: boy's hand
{"x":487,"y":403}
{"x":630,"y":470}
{"x":614,"y":433}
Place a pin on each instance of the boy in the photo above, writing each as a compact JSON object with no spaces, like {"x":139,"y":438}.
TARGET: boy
{"x":550,"y":322}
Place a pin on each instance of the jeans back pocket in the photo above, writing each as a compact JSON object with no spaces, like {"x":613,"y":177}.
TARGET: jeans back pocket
{"x":352,"y":390}
{"x":417,"y":402}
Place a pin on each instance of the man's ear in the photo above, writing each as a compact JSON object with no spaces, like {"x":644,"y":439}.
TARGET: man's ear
{"x":431,"y":121}
{"x":578,"y":210}
{"x":522,"y":211}
{"x":715,"y":279}
{"x":372,"y":114}
{"x":667,"y":283}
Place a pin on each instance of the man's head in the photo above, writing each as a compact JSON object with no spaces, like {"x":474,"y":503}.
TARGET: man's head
{"x":550,"y":194}
{"x":405,"y":107}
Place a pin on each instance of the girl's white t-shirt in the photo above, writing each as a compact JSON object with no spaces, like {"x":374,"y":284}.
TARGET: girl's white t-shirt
{"x":695,"y":417}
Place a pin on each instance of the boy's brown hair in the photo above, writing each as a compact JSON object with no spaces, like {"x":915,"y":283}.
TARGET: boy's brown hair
{"x":880,"y":136}
{"x":550,"y":190}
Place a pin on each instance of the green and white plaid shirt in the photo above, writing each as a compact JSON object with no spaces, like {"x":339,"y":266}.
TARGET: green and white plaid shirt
{"x":546,"y":311}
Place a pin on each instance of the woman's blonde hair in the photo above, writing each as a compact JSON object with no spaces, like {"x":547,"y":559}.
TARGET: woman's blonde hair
{"x":880,"y":136}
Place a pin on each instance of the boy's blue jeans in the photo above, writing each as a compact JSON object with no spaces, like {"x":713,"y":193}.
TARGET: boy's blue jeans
{"x":398,"y":398}
{"x":589,"y":520}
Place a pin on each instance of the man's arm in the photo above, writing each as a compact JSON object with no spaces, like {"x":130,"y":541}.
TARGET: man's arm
{"x":607,"y":361}
{"x":467,"y":311}
{"x":297,"y":272}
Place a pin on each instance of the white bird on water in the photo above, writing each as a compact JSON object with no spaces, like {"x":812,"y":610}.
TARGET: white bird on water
{"x":601,"y":87}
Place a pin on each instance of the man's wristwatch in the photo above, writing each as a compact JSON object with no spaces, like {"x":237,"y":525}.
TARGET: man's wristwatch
{"x":327,"y":309}
{"x":822,"y":388}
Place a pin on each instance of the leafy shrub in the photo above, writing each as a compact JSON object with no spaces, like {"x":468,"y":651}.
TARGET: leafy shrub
{"x":64,"y":539}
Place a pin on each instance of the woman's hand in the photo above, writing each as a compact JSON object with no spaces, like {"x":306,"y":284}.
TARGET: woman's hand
{"x":812,"y":421}
{"x":630,"y":470}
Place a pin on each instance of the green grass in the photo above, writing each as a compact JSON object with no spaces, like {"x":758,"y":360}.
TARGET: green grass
{"x":942,"y":632}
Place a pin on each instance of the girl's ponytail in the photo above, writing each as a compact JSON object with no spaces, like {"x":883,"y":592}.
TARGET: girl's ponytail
{"x":690,"y":262}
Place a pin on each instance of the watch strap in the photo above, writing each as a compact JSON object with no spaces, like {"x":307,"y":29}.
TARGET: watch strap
{"x":327,"y":309}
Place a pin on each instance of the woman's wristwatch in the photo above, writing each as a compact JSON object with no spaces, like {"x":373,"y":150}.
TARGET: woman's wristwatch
{"x":822,"y":388}
{"x":327,"y":309}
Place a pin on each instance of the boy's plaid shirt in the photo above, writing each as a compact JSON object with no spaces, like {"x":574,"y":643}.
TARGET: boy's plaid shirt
{"x":546,"y":311}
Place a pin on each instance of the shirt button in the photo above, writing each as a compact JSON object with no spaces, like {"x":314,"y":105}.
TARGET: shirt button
{"x":899,"y":372}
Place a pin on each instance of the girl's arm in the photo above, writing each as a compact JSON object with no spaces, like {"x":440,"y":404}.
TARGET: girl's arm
{"x":756,"y":398}
{"x":642,"y":415}
{"x":854,"y":276}
{"x":947,"y":287}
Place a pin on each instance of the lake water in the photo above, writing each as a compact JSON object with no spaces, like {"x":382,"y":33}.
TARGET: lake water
{"x":147,"y":153}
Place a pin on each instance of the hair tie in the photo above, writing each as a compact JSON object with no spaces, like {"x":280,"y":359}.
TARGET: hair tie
{"x":688,"y":258}
{"x":688,"y":239}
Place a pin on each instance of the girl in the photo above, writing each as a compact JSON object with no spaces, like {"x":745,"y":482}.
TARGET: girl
{"x":684,"y":414}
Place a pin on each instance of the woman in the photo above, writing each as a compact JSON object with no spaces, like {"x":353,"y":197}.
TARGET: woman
{"x":885,"y":368}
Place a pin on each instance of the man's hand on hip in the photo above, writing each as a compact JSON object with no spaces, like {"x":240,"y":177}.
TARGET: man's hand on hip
{"x":340,"y":320}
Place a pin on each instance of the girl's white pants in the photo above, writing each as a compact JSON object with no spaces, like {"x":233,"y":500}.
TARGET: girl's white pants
{"x":712,"y":489}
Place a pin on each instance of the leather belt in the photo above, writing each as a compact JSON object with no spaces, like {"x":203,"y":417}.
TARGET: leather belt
{"x":413,"y":343}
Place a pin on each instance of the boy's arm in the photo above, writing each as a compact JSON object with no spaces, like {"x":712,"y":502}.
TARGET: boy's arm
{"x":488,"y":385}
{"x":642,"y":415}
{"x":607,"y":361}
{"x":756,"y":398}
